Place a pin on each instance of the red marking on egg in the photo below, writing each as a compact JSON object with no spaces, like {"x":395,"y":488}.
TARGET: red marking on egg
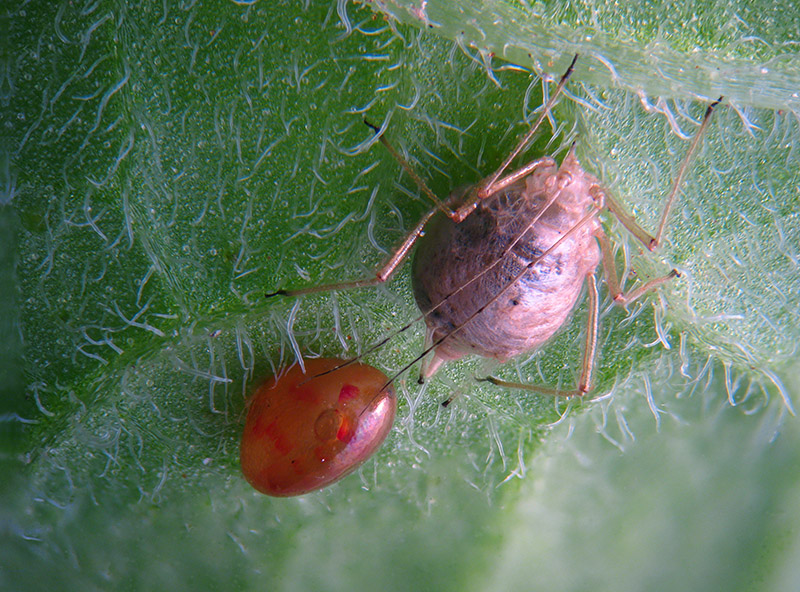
{"x":279,"y":440}
{"x":302,"y":437}
{"x":348,"y":392}
{"x":346,"y":431}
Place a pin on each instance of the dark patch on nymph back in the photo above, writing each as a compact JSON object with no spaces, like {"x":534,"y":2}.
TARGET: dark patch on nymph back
{"x":482,"y":238}
{"x":485,"y":235}
{"x":530,"y":249}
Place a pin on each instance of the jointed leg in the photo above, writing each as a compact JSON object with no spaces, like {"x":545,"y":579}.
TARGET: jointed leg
{"x":589,"y":354}
{"x":682,"y":173}
{"x":381,"y":275}
{"x":491,"y":183}
{"x":475,"y":195}
{"x":590,"y":346}
{"x":649,"y":241}
{"x":495,"y":183}
{"x":610,"y":271}
{"x":411,"y":172}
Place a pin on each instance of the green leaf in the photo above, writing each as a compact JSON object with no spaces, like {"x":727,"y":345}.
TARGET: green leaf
{"x":166,"y":165}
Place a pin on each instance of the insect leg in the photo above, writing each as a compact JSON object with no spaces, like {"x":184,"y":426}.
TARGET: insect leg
{"x":590,"y":346}
{"x":489,"y":186}
{"x":475,"y":196}
{"x":676,"y":186}
{"x":410,"y":171}
{"x":494,"y":183}
{"x":610,"y":271}
{"x":381,"y":274}
{"x":649,"y":241}
{"x":589,"y":354}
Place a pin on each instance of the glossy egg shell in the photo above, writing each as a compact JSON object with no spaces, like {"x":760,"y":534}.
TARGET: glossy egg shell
{"x":301,"y":437}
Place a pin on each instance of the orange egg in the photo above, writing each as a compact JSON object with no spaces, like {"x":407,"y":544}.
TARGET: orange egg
{"x":304,"y":433}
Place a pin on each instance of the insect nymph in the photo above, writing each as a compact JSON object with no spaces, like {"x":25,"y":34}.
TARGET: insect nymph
{"x":500,"y":266}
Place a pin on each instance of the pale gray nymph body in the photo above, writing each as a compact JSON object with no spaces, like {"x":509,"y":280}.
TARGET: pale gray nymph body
{"x":531,"y":310}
